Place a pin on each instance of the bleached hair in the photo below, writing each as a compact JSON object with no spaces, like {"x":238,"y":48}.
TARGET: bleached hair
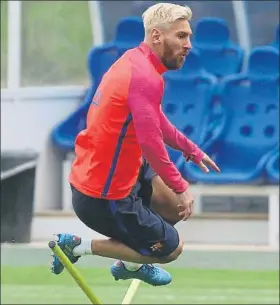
{"x":164,"y":14}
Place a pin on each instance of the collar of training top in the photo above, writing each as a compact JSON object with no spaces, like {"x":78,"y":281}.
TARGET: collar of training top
{"x":159,"y":66}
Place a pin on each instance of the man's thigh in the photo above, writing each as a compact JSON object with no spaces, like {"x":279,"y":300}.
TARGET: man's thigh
{"x":164,"y":201}
{"x":95,"y":213}
{"x":156,"y":195}
{"x":127,"y":221}
{"x":142,"y":229}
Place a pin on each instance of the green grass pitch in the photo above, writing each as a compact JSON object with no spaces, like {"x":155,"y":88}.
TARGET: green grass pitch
{"x":36,"y":285}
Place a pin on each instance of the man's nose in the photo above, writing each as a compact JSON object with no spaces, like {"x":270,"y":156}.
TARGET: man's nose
{"x":188,"y":44}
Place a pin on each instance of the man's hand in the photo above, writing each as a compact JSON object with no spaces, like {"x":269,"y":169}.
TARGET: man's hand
{"x":205,"y":162}
{"x":186,"y":200}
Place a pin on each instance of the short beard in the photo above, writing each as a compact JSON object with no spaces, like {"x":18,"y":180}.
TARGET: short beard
{"x":171,"y":64}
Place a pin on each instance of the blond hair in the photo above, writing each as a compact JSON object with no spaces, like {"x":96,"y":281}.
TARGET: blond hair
{"x":164,"y":14}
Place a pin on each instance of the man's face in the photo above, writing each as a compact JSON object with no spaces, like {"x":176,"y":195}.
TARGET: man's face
{"x":174,"y":44}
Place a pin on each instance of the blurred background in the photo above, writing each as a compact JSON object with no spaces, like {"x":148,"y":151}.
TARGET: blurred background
{"x":225,"y":98}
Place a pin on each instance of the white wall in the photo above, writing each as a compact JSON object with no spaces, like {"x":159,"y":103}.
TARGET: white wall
{"x":210,"y":231}
{"x":26,"y":125}
{"x":26,"y":121}
{"x":27,"y":118}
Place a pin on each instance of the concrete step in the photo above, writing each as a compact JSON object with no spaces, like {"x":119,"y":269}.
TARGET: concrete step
{"x":196,"y":230}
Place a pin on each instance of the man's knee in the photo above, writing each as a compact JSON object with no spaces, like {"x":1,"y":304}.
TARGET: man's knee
{"x":165,"y":202}
{"x":174,"y":255}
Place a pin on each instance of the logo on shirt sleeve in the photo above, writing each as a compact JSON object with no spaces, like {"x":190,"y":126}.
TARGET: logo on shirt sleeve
{"x":97,"y":97}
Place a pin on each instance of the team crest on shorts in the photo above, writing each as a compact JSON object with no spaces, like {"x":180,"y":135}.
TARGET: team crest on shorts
{"x":156,"y":247}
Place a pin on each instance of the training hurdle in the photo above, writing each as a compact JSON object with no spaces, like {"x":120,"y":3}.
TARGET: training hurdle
{"x":130,"y":293}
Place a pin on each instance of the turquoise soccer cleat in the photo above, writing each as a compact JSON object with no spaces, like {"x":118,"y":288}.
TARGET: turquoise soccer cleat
{"x":67,"y":242}
{"x":147,"y":273}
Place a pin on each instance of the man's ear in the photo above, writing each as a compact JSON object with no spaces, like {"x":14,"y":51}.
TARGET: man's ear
{"x":156,"y":36}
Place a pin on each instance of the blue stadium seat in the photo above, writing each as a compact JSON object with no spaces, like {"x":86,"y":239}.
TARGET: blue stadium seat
{"x":219,"y":55}
{"x":64,"y":134}
{"x":263,"y":63}
{"x":100,"y":59}
{"x":129,"y":33}
{"x":276,"y":40}
{"x":187,"y":98}
{"x":272,"y":168}
{"x":251,"y":132}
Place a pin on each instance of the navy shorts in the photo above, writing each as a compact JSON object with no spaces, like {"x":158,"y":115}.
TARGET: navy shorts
{"x":129,"y":220}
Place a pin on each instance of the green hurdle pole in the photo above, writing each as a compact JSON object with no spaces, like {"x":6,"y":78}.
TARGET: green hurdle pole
{"x":74,"y":272}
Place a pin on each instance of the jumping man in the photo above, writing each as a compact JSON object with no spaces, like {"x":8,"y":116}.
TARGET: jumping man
{"x":123,"y":183}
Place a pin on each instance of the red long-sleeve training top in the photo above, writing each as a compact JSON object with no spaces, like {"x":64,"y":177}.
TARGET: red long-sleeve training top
{"x":124,"y":123}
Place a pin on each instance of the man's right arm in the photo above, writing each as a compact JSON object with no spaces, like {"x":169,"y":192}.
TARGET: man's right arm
{"x":144,"y":104}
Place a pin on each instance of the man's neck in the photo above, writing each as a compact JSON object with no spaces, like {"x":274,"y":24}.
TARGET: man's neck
{"x":152,"y":47}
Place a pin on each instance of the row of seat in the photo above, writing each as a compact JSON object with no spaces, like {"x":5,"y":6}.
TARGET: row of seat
{"x":246,"y":133}
{"x":246,"y":127}
{"x":219,"y":54}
